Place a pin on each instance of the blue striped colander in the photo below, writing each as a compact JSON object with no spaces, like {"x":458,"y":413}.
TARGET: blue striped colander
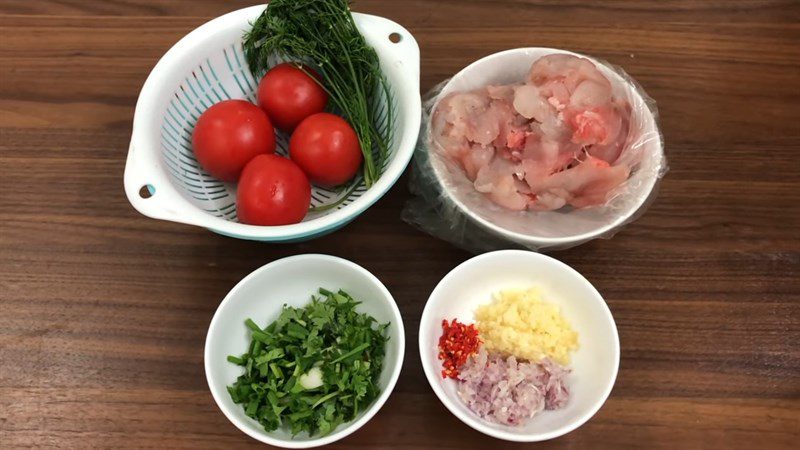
{"x":163,"y":178}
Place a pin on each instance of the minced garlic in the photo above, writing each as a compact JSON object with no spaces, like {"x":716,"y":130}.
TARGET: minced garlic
{"x":521,"y":323}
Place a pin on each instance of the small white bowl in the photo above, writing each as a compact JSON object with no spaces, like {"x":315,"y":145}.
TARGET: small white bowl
{"x":594,"y":365}
{"x":561,"y":228}
{"x":260,"y":296}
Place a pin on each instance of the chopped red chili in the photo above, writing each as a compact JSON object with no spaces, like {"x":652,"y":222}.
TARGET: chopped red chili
{"x":457,"y":343}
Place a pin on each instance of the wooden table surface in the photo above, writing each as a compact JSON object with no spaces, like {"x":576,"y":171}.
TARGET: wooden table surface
{"x":103,"y":312}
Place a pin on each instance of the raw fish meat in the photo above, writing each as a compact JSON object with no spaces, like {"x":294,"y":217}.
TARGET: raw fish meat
{"x":553,"y":140}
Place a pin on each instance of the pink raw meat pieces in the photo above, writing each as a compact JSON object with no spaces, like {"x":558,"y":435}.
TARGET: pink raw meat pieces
{"x":543,"y":144}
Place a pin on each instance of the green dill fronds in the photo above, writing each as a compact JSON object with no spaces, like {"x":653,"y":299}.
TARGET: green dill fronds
{"x":323,"y":33}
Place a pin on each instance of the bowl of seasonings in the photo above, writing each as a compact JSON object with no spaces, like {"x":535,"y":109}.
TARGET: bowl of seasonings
{"x":519,"y":346}
{"x":304,"y":351}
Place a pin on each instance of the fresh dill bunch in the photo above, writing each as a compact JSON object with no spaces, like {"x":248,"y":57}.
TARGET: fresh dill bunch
{"x":323,"y":33}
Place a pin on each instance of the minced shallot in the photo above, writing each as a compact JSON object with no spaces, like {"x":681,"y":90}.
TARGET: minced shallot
{"x":506,"y":391}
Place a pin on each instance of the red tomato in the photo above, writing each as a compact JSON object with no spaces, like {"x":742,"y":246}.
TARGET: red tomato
{"x":272,"y":191}
{"x":228,"y":135}
{"x":288,"y":95}
{"x":326,"y":148}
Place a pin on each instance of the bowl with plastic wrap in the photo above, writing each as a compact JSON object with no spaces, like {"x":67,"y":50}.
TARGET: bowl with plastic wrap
{"x":542,"y":147}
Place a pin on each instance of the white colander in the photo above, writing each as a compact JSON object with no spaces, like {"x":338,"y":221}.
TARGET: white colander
{"x":163,"y":180}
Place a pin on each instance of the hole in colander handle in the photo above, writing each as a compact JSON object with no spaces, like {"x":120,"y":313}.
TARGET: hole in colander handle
{"x":148,"y":190}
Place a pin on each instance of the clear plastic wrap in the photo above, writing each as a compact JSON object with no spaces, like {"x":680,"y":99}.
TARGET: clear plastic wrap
{"x":446,"y":204}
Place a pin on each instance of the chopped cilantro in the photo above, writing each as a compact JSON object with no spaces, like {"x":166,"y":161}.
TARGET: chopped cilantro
{"x":347,"y":348}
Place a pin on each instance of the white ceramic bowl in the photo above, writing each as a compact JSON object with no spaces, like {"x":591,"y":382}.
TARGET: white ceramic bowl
{"x":561,"y":228}
{"x":594,"y":364}
{"x":163,"y":179}
{"x":260,"y":296}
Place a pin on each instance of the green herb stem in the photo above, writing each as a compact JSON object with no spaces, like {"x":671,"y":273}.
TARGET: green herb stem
{"x":352,"y":352}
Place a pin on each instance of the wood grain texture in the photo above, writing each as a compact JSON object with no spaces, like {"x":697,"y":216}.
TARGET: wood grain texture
{"x":104,"y":312}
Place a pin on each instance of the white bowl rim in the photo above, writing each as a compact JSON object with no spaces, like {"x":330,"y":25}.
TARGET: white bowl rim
{"x":431,"y":373}
{"x":543,"y":240}
{"x":190,"y":214}
{"x":349,"y":427}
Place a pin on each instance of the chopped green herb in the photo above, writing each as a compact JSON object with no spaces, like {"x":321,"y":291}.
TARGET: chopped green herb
{"x":235,"y":360}
{"x":328,"y":340}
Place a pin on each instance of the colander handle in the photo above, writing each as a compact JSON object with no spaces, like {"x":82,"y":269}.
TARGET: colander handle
{"x":148,"y":190}
{"x":393,"y":40}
